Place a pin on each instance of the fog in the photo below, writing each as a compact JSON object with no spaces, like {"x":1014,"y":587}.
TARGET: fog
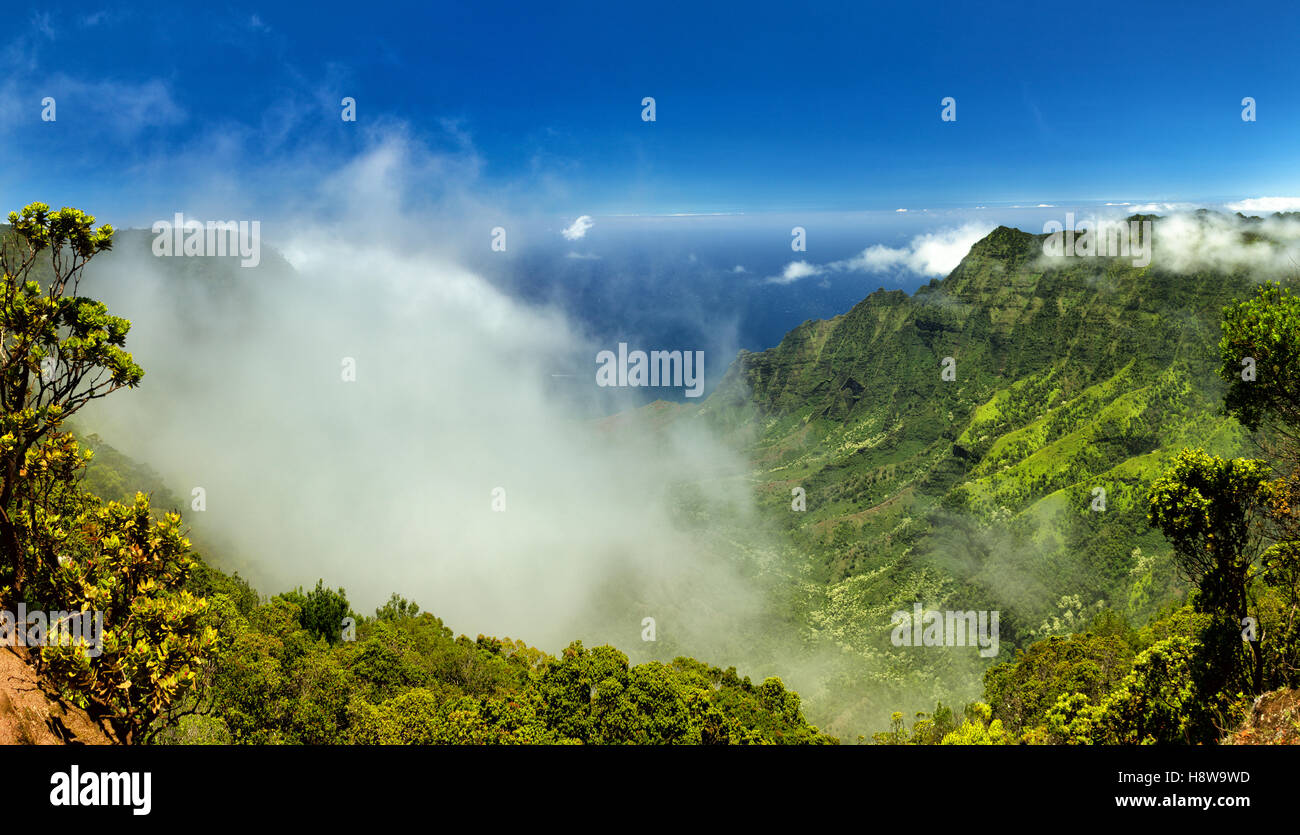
{"x":1268,"y":248}
{"x":1187,"y":241}
{"x":394,"y":481}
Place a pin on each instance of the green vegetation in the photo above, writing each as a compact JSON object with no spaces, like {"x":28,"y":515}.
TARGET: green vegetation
{"x":277,"y":677}
{"x":60,"y":549}
{"x":1084,"y":475}
{"x":1194,"y":671}
{"x":191,"y":654}
{"x":981,"y":493}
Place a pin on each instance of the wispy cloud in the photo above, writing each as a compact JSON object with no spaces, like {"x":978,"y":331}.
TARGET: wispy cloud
{"x":578,"y":229}
{"x":423,"y":331}
{"x":41,"y":22}
{"x":1164,"y":207}
{"x":95,"y":18}
{"x":1187,"y":242}
{"x":111,"y":109}
{"x":795,"y":271}
{"x":928,"y":254}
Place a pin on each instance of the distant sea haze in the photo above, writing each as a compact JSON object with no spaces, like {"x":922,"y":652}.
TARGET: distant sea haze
{"x":704,"y":283}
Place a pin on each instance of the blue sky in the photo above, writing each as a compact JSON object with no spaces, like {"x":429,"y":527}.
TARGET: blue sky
{"x":761,"y":107}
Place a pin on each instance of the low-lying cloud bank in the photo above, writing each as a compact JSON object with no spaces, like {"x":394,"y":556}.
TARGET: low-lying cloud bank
{"x":1265,"y":205}
{"x":1189,"y":237}
{"x":1268,"y":247}
{"x":929,"y":254}
{"x":1185,"y":241}
{"x":458,"y":468}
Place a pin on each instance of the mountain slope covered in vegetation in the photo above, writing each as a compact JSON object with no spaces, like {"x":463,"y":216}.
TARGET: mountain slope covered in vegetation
{"x":1019,"y":484}
{"x":1024,"y":437}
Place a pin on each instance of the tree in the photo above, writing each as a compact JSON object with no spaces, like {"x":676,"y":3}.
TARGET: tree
{"x":1213,"y":511}
{"x":58,"y":351}
{"x":1022,"y":691}
{"x":397,"y":608}
{"x":133,"y":571}
{"x":322,"y":611}
{"x":59,"y":546}
{"x":1263,"y":334}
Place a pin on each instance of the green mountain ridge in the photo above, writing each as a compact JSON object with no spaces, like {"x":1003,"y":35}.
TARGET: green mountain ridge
{"x":970,"y":494}
{"x":1066,"y":378}
{"x":979,"y":493}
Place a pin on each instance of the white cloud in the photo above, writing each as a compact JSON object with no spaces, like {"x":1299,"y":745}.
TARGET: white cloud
{"x":739,"y":269}
{"x":1187,"y":242}
{"x":929,"y":254}
{"x":1165,"y":207}
{"x":578,"y":229}
{"x":583,"y":256}
{"x":1265,"y":205}
{"x":794,"y":271}
{"x":463,"y":378}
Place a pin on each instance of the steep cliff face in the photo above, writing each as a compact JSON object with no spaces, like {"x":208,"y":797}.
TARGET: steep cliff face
{"x":1019,"y":475}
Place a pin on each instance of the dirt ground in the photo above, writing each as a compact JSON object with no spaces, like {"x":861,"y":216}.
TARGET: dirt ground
{"x":30,"y":715}
{"x":1274,"y":720}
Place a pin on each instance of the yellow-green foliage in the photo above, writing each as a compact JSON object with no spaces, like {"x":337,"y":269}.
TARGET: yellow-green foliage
{"x":133,"y":570}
